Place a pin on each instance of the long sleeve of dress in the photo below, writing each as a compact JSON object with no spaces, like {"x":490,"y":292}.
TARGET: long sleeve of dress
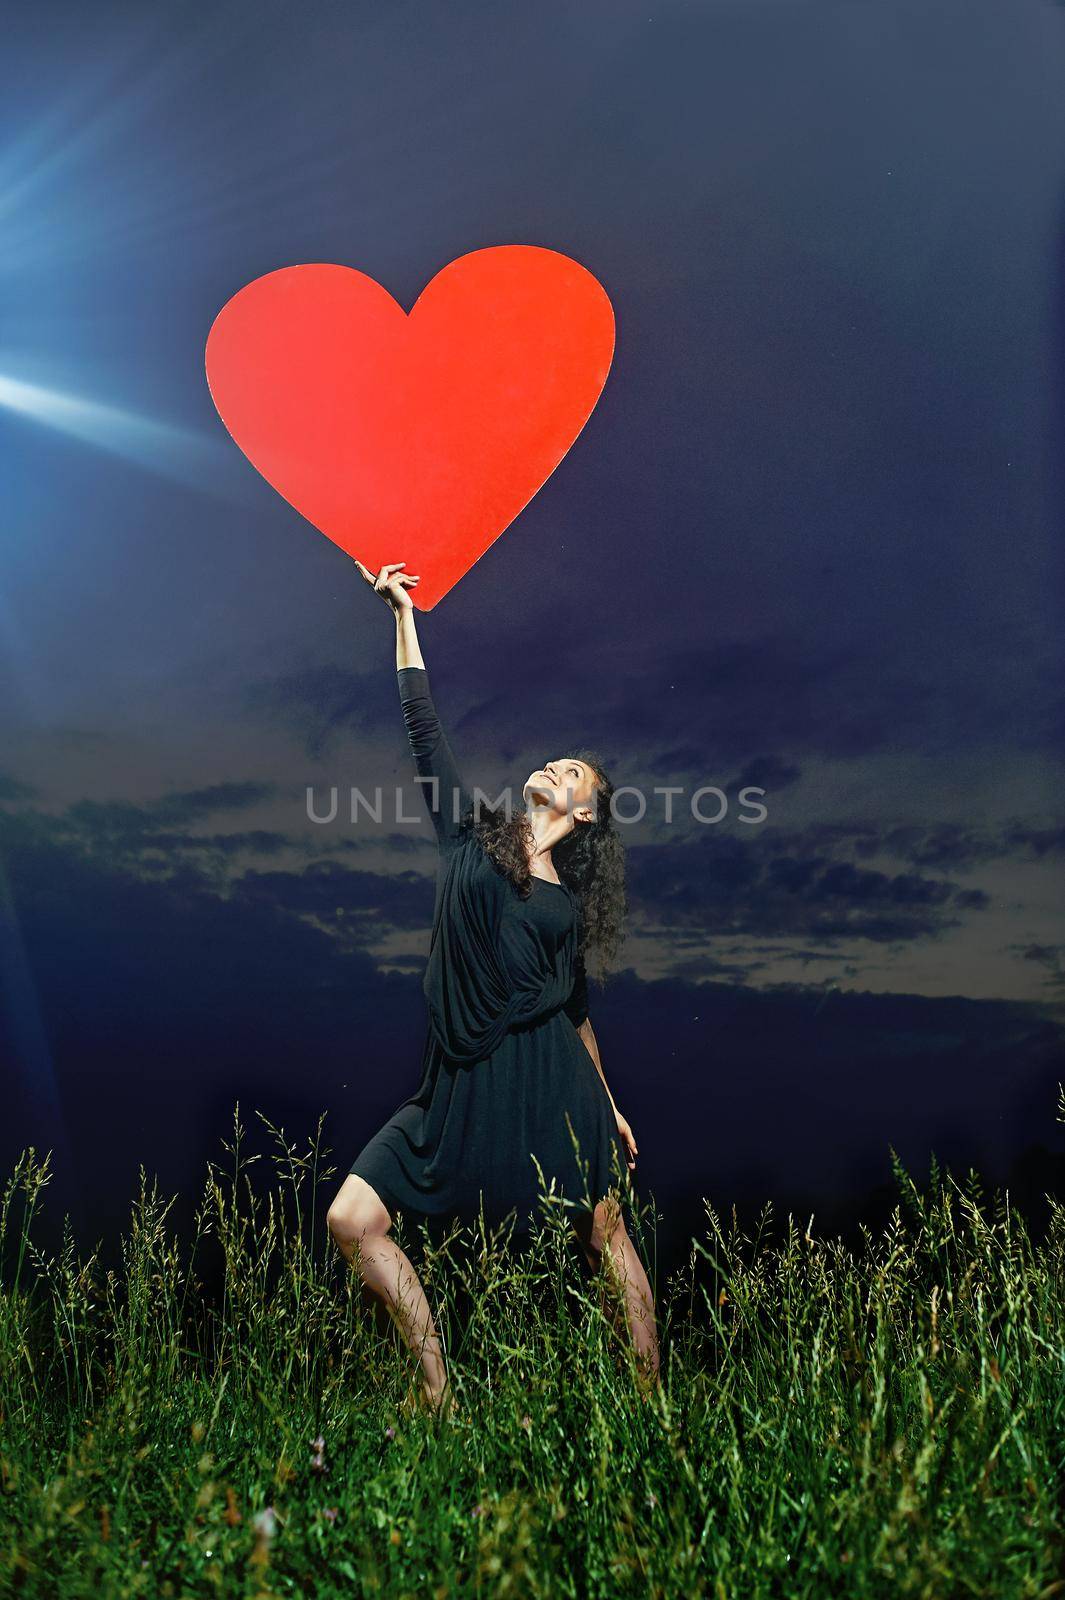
{"x":576,"y":1007}
{"x":442,"y":785}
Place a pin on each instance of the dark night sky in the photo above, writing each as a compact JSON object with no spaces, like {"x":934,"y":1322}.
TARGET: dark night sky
{"x":810,"y":539}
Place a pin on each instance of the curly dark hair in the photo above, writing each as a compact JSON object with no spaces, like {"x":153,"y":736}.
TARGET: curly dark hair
{"x":590,"y":860}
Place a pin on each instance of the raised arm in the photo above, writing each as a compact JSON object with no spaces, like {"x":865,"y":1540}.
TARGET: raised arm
{"x":408,"y":650}
{"x":445,"y":793}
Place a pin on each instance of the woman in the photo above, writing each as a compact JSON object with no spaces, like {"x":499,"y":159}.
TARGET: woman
{"x":511,"y":1073}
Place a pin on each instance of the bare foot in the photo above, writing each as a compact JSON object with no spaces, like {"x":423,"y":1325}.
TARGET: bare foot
{"x":444,"y":1403}
{"x":648,"y":1381}
{"x":437,"y":1403}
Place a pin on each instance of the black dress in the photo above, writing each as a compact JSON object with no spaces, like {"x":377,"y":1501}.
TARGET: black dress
{"x":505,"y":1074}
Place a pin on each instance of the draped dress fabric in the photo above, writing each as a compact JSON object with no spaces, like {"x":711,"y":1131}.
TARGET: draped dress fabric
{"x":505,"y":1074}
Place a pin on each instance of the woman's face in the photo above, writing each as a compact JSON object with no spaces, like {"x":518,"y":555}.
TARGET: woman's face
{"x":560,"y":787}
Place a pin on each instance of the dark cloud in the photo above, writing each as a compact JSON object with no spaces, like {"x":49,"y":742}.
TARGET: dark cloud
{"x":13,"y":789}
{"x":321,"y":702}
{"x":708,"y":705}
{"x":767,"y":772}
{"x":123,"y":822}
{"x":161,"y":1004}
{"x":942,"y":845}
{"x":696,"y":968}
{"x":972,"y":899}
{"x":254,"y":841}
{"x":945,"y":845}
{"x":1019,"y":839}
{"x":1049,"y":956}
{"x":191,"y":804}
{"x":709,"y":701}
{"x":361,"y":906}
{"x":802,"y":884}
{"x":356,"y":907}
{"x":724,"y":885}
{"x":406,"y":843}
{"x":142,"y":839}
{"x":679,"y":758}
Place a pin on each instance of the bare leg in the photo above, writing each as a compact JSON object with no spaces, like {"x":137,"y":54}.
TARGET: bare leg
{"x":359,"y":1222}
{"x":606,"y":1243}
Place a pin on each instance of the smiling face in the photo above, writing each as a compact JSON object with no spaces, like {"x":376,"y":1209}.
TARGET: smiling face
{"x":562,"y":786}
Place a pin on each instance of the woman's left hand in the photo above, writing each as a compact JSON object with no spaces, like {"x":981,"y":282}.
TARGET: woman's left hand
{"x":627,"y":1138}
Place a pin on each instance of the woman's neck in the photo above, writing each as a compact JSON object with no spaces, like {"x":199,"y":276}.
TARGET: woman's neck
{"x":546,"y":831}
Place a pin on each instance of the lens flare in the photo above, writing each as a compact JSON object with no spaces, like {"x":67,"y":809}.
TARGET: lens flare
{"x":159,"y":447}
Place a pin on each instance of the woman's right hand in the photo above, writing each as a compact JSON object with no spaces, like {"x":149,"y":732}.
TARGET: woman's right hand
{"x":391,"y":584}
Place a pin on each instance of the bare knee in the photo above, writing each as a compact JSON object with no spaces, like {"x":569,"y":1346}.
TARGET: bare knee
{"x":605,"y":1231}
{"x":357,"y":1213}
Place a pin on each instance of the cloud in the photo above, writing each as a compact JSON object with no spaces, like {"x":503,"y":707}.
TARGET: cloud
{"x":942,"y":845}
{"x":769,"y":772}
{"x":124,"y":818}
{"x":13,"y":789}
{"x":144,"y":839}
{"x":1019,"y":838}
{"x":1050,"y":956}
{"x":816,"y":885}
{"x":783,"y":697}
{"x":320,"y":701}
{"x":725,"y":885}
{"x":164,"y":1003}
{"x":361,"y":906}
{"x":352,"y":906}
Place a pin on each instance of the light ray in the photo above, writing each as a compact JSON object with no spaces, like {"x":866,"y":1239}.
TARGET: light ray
{"x":160,"y":447}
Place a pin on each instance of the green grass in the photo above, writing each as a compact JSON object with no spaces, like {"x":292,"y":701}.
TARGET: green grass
{"x":882,"y":1419}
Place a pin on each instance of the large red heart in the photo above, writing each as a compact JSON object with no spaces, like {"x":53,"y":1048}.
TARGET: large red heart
{"x":416,"y":438}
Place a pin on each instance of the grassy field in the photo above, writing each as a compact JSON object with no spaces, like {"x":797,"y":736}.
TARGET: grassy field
{"x":222,"y":1416}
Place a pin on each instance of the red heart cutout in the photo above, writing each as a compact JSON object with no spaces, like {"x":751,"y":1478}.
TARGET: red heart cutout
{"x":415,"y":438}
